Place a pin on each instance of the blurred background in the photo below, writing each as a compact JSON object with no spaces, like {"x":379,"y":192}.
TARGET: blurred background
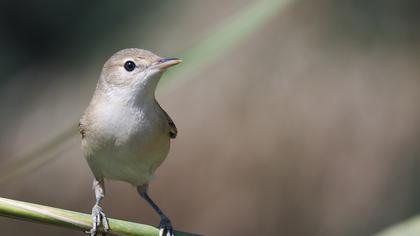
{"x":295,"y":117}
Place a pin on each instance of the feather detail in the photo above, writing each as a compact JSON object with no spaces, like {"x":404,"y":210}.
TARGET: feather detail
{"x":173,"y":131}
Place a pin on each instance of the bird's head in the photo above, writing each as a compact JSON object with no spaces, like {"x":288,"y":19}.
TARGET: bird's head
{"x":132,"y":74}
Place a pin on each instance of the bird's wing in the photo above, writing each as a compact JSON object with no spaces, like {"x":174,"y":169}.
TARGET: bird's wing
{"x":82,"y":129}
{"x":173,"y":131}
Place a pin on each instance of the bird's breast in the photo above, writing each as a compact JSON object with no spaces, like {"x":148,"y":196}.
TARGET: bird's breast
{"x":134,"y":142}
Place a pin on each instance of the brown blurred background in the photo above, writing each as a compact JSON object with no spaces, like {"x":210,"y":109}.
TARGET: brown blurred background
{"x":310,"y":125}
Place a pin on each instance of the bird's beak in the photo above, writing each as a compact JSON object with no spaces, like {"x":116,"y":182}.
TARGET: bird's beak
{"x":165,"y":63}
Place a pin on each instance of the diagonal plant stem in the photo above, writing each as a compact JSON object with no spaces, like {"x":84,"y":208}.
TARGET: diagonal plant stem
{"x":73,"y":220}
{"x":409,"y":227}
{"x":214,"y":45}
{"x":225,"y":37}
{"x":37,"y":157}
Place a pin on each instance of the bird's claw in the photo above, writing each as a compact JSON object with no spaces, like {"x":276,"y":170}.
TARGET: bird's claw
{"x":98,"y":218}
{"x":165,"y":227}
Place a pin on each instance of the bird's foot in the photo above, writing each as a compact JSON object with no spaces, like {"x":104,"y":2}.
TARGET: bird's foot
{"x":165,"y":227}
{"x":98,"y":217}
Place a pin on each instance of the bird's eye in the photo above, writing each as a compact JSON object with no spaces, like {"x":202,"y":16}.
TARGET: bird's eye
{"x":129,"y":66}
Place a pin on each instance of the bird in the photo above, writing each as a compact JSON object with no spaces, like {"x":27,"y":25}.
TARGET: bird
{"x":125,"y":133}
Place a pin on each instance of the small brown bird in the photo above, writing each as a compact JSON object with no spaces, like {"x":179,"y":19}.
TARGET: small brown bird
{"x":125,"y":133}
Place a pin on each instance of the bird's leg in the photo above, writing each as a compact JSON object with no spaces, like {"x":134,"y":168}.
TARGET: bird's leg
{"x":165,"y":225}
{"x":98,"y":215}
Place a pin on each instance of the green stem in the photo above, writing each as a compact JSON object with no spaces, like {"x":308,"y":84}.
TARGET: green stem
{"x":72,"y":220}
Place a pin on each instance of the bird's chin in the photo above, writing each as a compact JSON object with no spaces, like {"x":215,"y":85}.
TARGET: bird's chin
{"x":146,"y":82}
{"x":153,"y":74}
{"x":149,"y":80}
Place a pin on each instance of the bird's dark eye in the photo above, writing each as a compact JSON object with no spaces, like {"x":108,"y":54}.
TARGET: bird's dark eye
{"x":129,"y":66}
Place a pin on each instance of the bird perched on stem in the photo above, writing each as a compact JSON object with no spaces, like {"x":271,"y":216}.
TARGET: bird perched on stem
{"x":125,"y":133}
